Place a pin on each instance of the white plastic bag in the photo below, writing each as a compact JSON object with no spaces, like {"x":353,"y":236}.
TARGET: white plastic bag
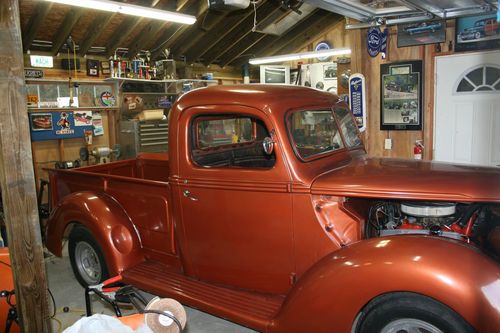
{"x":100,"y":323}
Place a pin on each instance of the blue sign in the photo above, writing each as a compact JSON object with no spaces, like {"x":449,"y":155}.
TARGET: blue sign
{"x":59,"y":125}
{"x":357,"y":99}
{"x":374,"y":41}
{"x":322,"y":46}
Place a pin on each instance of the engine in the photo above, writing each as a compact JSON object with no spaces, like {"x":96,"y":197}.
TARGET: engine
{"x":447,"y":219}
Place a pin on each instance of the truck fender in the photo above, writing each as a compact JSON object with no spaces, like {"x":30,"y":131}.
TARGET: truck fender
{"x":331,"y":294}
{"x":107,"y":221}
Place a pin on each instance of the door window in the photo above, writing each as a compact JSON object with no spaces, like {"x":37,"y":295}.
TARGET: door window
{"x":483,"y":78}
{"x":229,"y":141}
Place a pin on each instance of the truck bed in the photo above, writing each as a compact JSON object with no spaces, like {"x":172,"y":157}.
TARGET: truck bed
{"x":139,"y":185}
{"x":145,"y":166}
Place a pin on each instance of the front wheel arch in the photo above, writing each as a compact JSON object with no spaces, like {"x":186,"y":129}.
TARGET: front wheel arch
{"x":390,"y":307}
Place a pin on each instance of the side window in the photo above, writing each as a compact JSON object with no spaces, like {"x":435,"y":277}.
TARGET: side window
{"x":229,"y":141}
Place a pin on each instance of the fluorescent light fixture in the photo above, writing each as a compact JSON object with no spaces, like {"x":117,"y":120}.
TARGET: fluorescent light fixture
{"x":299,"y":56}
{"x":124,"y":8}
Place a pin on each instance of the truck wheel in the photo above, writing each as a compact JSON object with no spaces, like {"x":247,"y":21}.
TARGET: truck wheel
{"x":409,"y":312}
{"x":86,"y":257}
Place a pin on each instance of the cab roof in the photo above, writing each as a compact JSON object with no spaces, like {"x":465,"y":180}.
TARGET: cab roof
{"x":260,"y":96}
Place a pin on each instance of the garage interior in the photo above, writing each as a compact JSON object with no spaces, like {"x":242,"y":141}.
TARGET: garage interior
{"x":88,"y":83}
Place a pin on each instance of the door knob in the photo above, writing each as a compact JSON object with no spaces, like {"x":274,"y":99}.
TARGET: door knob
{"x":188,"y":195}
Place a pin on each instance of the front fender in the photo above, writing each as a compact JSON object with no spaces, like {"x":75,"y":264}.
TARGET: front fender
{"x":331,"y":294}
{"x":106,"y":220}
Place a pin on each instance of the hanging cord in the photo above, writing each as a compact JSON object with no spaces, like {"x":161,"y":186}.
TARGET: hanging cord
{"x":254,"y":16}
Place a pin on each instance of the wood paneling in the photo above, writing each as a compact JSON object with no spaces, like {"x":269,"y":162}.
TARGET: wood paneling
{"x":361,"y":62}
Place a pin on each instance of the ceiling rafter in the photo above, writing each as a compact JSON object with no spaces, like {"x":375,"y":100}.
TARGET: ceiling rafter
{"x":175,"y":30}
{"x":245,"y":41}
{"x":99,"y":24}
{"x":296,"y":37}
{"x":150,"y":31}
{"x":223,"y":30}
{"x":35,"y":22}
{"x":65,"y":29}
{"x":243,"y":27}
{"x":121,"y":33}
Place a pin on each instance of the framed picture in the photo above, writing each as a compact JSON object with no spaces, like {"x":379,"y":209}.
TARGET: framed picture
{"x":401,"y":96}
{"x":330,"y":71}
{"x":92,"y":67}
{"x":428,"y":32}
{"x":477,"y":33}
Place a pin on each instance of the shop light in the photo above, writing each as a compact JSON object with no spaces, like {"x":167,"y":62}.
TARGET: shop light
{"x":409,"y":19}
{"x":299,"y":56}
{"x":123,"y":8}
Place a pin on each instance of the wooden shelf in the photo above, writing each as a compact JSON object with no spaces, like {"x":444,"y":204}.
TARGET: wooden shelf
{"x":96,"y":81}
{"x":82,"y":108}
{"x":117,"y":79}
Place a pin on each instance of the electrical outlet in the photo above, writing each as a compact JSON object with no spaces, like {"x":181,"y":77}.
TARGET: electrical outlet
{"x":388,"y":144}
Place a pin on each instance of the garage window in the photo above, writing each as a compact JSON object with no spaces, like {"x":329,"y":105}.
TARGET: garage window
{"x":483,"y":78}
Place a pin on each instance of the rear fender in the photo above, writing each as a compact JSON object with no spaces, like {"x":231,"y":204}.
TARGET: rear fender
{"x":333,"y":292}
{"x":107,"y":221}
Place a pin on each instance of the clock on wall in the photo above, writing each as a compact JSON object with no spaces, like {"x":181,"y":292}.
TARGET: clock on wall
{"x":322,"y":46}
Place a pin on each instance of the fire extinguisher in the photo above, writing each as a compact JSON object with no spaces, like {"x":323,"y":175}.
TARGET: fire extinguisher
{"x":418,"y":150}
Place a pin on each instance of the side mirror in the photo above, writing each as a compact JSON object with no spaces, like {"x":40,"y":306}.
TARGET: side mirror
{"x":268,"y":145}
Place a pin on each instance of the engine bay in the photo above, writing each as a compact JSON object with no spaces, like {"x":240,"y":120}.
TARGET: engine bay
{"x":477,"y":223}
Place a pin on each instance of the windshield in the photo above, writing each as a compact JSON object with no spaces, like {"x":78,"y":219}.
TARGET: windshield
{"x":348,"y":127}
{"x":315,"y":132}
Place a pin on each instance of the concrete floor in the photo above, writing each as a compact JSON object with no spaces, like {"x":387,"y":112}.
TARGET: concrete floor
{"x":68,"y":293}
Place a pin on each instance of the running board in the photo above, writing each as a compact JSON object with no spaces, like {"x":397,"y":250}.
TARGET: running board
{"x":249,"y":309}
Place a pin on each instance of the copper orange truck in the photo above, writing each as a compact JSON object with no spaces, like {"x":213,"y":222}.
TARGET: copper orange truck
{"x":267,"y":211}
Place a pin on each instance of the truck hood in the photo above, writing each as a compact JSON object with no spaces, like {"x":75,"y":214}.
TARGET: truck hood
{"x":410,"y":179}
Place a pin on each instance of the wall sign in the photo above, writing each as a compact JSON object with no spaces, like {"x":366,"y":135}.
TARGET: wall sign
{"x":58,"y":125}
{"x":357,"y":99}
{"x":33,"y":73}
{"x":41,"y":61}
{"x":401,"y":96}
{"x":377,"y":41}
{"x":322,"y":46}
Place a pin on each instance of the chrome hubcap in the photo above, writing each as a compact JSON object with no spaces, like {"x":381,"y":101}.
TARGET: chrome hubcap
{"x":409,"y":325}
{"x":88,"y":263}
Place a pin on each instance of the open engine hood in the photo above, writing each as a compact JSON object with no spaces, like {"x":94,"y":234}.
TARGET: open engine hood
{"x":411,"y":179}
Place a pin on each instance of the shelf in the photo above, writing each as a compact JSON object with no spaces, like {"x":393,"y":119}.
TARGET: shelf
{"x":113,"y":79}
{"x":97,"y":81}
{"x":83,"y":108}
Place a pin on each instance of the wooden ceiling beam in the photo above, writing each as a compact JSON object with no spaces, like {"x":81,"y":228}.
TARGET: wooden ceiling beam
{"x":308,"y":29}
{"x":174,"y":31}
{"x":65,"y":29}
{"x":204,"y":28}
{"x":316,"y":29}
{"x":99,"y":24}
{"x":151,"y":30}
{"x":240,"y":50}
{"x":243,"y":28}
{"x":241,"y":44}
{"x":121,"y":33}
{"x":41,"y":11}
{"x":233,"y":22}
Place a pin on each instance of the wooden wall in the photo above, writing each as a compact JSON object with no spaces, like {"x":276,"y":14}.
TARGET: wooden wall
{"x":361,"y":62}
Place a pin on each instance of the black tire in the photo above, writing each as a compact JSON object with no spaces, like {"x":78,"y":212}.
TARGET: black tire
{"x":390,"y":310}
{"x":87,"y":260}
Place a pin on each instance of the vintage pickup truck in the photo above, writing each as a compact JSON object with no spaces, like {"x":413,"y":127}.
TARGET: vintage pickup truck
{"x":268,"y":212}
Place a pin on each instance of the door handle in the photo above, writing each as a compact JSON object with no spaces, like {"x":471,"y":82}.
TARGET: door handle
{"x":188,"y":195}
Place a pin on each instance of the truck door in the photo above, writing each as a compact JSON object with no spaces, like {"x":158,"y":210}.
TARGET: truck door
{"x":236,"y":210}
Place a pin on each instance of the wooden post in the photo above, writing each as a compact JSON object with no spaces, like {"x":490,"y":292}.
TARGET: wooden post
{"x":17,"y":178}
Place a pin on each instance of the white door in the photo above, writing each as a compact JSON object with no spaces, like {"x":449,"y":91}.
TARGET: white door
{"x":467,"y":109}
